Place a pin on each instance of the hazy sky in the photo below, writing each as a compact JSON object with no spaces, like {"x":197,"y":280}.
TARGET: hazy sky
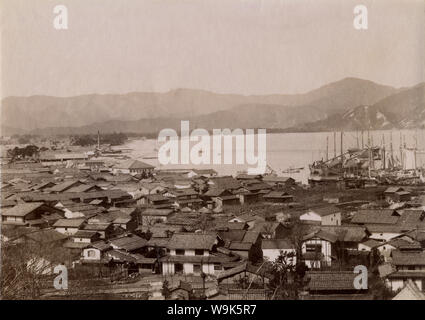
{"x":229,"y":46}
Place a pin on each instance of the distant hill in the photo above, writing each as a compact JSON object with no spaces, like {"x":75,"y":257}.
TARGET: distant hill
{"x":142,"y":112}
{"x":404,"y":109}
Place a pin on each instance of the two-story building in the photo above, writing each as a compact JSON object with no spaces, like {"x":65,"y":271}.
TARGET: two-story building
{"x":192,"y":253}
{"x":326,"y":216}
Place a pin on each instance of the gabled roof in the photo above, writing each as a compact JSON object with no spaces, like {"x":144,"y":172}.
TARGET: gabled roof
{"x":384,"y":228}
{"x":331,"y":280}
{"x":245,"y":267}
{"x":325,"y":211}
{"x":346,"y":233}
{"x":371,"y":243}
{"x":401,"y":258}
{"x":46,"y":236}
{"x":101,"y":245}
{"x":22,"y":209}
{"x":192,"y":241}
{"x":377,"y":216}
{"x":410,"y":292}
{"x":277,"y":194}
{"x":82,"y":188}
{"x":134,"y":164}
{"x":61,"y":187}
{"x":411,"y":219}
{"x":68,"y":223}
{"x":405,"y":243}
{"x":216,"y":192}
{"x":128,"y":242}
{"x":320,"y":234}
{"x":266,"y":226}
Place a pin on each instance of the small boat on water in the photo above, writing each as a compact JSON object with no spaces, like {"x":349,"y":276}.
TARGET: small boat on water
{"x":293,"y":170}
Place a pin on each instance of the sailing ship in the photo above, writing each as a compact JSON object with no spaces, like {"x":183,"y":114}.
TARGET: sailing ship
{"x":369,"y":165}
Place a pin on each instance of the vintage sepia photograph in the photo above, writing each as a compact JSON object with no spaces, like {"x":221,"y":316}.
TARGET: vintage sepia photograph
{"x":233,"y":153}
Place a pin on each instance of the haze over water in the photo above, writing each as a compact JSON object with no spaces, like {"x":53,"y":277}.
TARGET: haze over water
{"x":295,"y":150}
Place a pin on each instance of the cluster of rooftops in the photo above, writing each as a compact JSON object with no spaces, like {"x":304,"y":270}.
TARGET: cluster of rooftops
{"x":174,"y":222}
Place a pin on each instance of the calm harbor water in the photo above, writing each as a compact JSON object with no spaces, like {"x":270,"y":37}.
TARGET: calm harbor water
{"x":295,"y":150}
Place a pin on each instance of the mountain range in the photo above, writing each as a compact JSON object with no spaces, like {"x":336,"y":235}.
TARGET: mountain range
{"x":350,"y":103}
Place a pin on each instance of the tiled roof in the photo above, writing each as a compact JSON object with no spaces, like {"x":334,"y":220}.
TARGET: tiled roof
{"x":245,"y":267}
{"x":331,"y":280}
{"x":400,"y":258}
{"x":320,"y":234}
{"x":46,"y":236}
{"x":63,"y":186}
{"x":381,"y":228}
{"x":22,"y":209}
{"x":69,"y":223}
{"x":128,"y":243}
{"x":379,"y":216}
{"x":192,"y":241}
{"x":346,"y":233}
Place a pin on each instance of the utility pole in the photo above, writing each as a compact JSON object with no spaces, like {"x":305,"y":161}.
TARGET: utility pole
{"x":362,"y":140}
{"x":342,"y":148}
